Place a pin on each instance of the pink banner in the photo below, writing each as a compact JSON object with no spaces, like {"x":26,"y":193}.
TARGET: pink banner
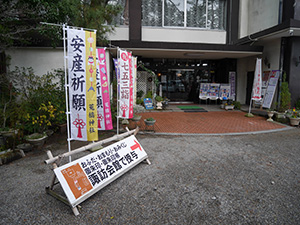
{"x":125,"y":83}
{"x":131,"y":86}
{"x":103,"y":100}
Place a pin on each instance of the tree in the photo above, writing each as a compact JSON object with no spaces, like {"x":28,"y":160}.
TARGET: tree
{"x":20,"y":19}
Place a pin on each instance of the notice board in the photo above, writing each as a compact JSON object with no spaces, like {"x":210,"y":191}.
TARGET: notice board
{"x":271,"y":88}
{"x":85,"y":176}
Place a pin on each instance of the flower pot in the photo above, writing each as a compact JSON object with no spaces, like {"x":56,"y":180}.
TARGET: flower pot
{"x":270,"y":115}
{"x":229,"y":107}
{"x":26,"y":147}
{"x":37,"y":142}
{"x":63,"y":128}
{"x":136,"y":118}
{"x":280,"y":115}
{"x":294,"y":121}
{"x":149,"y":123}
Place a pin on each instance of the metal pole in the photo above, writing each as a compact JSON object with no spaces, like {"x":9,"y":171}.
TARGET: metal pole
{"x":118,"y":86}
{"x":63,"y":25}
{"x":66,"y":90}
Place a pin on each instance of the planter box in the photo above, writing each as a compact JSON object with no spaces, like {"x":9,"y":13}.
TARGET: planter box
{"x":280,"y":115}
{"x":294,"y":121}
{"x":229,"y":107}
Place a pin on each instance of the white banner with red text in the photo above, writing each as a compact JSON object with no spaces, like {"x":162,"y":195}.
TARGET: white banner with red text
{"x":125,"y":84}
{"x":256,"y":91}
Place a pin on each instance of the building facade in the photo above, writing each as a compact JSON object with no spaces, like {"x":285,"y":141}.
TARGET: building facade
{"x":201,"y":41}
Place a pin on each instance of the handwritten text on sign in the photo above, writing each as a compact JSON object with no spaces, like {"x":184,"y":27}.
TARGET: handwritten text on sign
{"x":87,"y":175}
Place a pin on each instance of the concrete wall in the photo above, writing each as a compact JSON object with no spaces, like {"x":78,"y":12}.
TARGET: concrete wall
{"x":160,"y":34}
{"x":183,"y":35}
{"x":272,"y":54}
{"x":257,"y":15}
{"x":119,"y":34}
{"x":245,"y":65}
{"x":42,"y":60}
{"x":293,"y":70}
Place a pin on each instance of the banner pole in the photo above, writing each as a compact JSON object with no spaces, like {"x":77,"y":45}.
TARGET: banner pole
{"x":118,"y":86}
{"x":66,"y":91}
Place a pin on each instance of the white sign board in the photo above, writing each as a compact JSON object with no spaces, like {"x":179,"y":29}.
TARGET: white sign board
{"x":85,"y":176}
{"x":271,"y":88}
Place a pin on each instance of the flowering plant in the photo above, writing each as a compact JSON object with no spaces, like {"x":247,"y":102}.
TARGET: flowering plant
{"x":40,"y":120}
{"x":294,"y":113}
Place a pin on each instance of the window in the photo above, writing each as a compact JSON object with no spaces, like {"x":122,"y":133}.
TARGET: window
{"x":152,"y":13}
{"x":209,"y":14}
{"x":123,"y":17}
{"x":174,"y":13}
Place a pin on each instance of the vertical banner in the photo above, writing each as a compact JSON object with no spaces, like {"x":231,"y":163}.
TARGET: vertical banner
{"x":256,"y":91}
{"x":117,"y":73}
{"x":82,"y":84}
{"x":134,"y":72}
{"x":103,"y":100}
{"x":125,"y":85}
{"x":232,"y":85}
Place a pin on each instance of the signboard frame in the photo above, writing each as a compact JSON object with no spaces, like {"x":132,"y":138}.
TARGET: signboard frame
{"x":132,"y":146}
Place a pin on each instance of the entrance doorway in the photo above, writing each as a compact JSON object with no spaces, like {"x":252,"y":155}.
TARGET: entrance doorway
{"x":250,"y":78}
{"x":184,"y":84}
{"x":180,"y":78}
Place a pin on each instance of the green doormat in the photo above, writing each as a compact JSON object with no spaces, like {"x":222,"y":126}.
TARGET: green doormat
{"x":189,"y":107}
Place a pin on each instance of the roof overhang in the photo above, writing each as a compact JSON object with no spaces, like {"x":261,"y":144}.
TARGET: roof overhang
{"x":289,"y":28}
{"x":187,"y":50}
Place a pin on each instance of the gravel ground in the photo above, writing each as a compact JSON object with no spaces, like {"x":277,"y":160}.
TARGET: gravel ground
{"x":246,"y":179}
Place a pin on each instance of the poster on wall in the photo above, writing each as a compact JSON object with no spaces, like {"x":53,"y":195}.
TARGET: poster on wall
{"x":214,"y":90}
{"x":224,"y":91}
{"x":204,"y":90}
{"x":271,"y":88}
{"x":82,"y":84}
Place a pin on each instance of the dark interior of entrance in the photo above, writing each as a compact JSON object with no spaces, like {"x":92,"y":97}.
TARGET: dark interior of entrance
{"x":180,"y":78}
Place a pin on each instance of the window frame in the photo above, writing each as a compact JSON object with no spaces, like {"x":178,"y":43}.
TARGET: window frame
{"x":186,"y":19}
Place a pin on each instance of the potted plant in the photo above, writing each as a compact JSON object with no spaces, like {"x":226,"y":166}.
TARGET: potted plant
{"x":159,"y":100}
{"x":36,"y":139}
{"x":270,"y":114}
{"x":229,"y":105}
{"x":150,"y":121}
{"x":294,"y":119}
{"x":285,"y":99}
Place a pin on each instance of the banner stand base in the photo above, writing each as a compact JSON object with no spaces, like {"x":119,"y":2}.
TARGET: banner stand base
{"x":63,"y":200}
{"x":56,"y":160}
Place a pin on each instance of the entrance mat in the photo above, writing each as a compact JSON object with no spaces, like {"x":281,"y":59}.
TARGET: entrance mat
{"x":195,"y":110}
{"x":189,"y":107}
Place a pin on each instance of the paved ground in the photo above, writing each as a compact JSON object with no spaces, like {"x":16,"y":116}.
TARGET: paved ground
{"x":214,"y":121}
{"x":236,"y":179}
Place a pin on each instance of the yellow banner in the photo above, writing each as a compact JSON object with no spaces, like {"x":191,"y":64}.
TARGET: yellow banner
{"x":91,"y":86}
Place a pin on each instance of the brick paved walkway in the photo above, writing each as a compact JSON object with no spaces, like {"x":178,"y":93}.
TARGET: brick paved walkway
{"x":213,"y":122}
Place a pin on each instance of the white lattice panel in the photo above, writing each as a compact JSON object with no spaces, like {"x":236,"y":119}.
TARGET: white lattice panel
{"x":143,"y":83}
